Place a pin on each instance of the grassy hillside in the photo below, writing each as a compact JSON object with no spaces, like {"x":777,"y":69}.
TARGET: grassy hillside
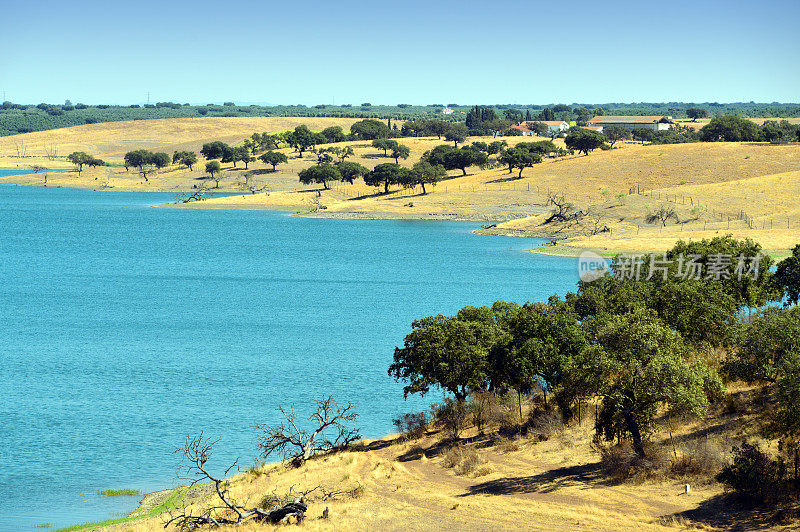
{"x":553,"y":477}
{"x":746,"y":189}
{"x":110,"y":141}
{"x":753,"y":184}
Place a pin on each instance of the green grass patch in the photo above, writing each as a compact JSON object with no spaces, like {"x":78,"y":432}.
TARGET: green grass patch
{"x":173,"y":501}
{"x":117,"y":493}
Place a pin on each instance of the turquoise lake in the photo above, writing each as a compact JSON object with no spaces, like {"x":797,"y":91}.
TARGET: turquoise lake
{"x":123,"y":328}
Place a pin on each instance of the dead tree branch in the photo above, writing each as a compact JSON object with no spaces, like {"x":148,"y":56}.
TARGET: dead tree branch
{"x":299,"y":444}
{"x":273,"y":508}
{"x":664,"y":214}
{"x":189,"y":197}
{"x":564,"y":210}
{"x":596,"y":225}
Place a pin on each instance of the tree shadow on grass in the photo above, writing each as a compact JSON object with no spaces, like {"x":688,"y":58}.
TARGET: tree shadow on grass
{"x":510,"y":178}
{"x":546,"y":482}
{"x":730,"y":512}
{"x":373,"y":195}
{"x":416,"y":452}
{"x":261,"y":171}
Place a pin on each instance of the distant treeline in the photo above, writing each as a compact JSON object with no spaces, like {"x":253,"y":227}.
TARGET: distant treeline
{"x":24,"y":118}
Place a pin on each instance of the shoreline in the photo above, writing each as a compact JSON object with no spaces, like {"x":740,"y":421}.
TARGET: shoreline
{"x":301,"y":203}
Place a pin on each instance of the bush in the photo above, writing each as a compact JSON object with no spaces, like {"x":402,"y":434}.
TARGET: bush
{"x":464,"y":460}
{"x":754,"y":475}
{"x":411,"y":426}
{"x":545,"y":424}
{"x":450,"y":416}
{"x":488,"y":410}
{"x":621,"y":464}
{"x":699,"y":459}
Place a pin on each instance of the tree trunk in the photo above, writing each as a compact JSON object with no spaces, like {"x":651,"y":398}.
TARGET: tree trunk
{"x":423,"y":189}
{"x":520,"y":172}
{"x":464,"y":170}
{"x":386,"y":187}
{"x":636,"y":436}
{"x":325,"y":185}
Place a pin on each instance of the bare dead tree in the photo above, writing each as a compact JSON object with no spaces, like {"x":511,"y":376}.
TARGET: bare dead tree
{"x":299,"y":444}
{"x":251,"y":185}
{"x":596,"y":225}
{"x":564,"y":211}
{"x":22,"y":150}
{"x":196,"y":453}
{"x":144,"y":171}
{"x":664,"y":214}
{"x":189,"y":197}
{"x":51,"y":152}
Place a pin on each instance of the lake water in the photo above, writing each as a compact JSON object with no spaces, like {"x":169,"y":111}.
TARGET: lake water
{"x":123,"y":328}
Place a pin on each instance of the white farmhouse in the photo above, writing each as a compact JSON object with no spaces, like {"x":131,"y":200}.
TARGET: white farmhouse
{"x":656,"y":123}
{"x":553,"y":126}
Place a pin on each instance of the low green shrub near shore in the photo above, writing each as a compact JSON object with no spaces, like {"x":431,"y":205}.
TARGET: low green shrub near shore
{"x":117,"y":493}
{"x":173,"y":501}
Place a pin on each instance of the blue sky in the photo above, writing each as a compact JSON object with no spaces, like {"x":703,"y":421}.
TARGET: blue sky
{"x":419,"y":52}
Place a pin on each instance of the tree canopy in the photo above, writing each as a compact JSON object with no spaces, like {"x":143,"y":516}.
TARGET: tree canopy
{"x":386,"y":174}
{"x":787,"y":276}
{"x":370,"y":129}
{"x":424,"y":173}
{"x":636,"y":365}
{"x":730,"y":128}
{"x":320,"y":173}
{"x":584,"y":140}
{"x":695,"y":112}
{"x":517,"y":157}
{"x":616,"y":133}
{"x":456,"y":133}
{"x":216,"y":150}
{"x":81,"y":159}
{"x":274,"y":158}
{"x":351,"y":171}
{"x":302,"y":138}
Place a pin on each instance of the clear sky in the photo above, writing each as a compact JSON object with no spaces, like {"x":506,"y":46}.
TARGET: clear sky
{"x":412,"y":51}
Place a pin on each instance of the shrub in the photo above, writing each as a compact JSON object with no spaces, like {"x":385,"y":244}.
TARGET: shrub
{"x":545,"y":424}
{"x":621,"y":464}
{"x":754,"y":475}
{"x":699,"y":458}
{"x":412,"y":425}
{"x":488,"y":410}
{"x":450,"y":416}
{"x":463,"y":460}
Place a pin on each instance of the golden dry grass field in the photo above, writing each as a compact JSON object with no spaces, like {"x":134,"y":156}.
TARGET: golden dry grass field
{"x":747,"y":189}
{"x":509,"y":483}
{"x":111,"y":140}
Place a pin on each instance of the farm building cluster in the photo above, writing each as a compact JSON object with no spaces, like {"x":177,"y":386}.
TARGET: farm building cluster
{"x":559,"y":127}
